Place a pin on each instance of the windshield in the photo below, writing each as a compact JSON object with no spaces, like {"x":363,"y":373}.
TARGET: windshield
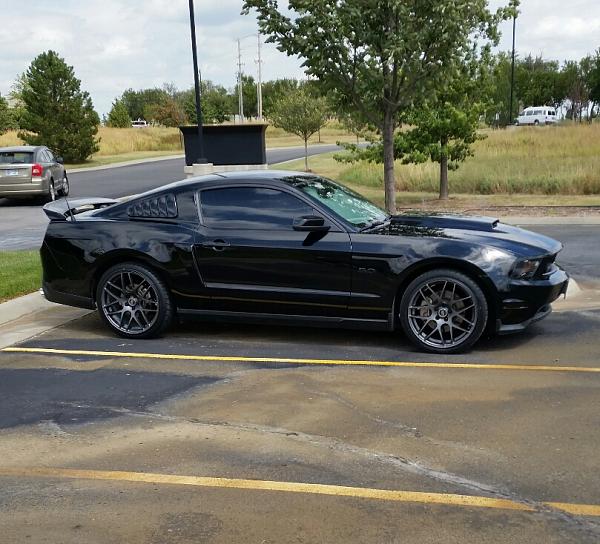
{"x":347,"y":204}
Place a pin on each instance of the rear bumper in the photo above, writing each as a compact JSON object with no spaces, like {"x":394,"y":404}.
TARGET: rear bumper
{"x":16,"y":190}
{"x":527,"y":302}
{"x":68,"y":299}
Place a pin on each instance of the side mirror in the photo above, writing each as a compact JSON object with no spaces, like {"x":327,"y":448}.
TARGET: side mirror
{"x":60,"y":160}
{"x":310,"y":223}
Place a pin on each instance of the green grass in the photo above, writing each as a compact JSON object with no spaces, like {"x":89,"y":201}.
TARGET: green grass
{"x":20,"y":273}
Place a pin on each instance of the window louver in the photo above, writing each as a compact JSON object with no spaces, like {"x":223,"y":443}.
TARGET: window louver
{"x":164,"y":206}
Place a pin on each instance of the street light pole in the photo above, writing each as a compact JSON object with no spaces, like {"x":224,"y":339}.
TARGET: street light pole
{"x":200,"y":149}
{"x":512,"y":73}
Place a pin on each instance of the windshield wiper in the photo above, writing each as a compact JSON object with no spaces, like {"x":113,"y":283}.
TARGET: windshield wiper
{"x":375,"y":224}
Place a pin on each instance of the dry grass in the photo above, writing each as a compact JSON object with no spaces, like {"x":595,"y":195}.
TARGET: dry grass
{"x":562,"y":160}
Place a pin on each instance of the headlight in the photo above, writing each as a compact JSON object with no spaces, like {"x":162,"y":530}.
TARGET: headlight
{"x":525,"y":270}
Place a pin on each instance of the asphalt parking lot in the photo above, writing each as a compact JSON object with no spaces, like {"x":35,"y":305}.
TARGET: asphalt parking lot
{"x":242,"y":433}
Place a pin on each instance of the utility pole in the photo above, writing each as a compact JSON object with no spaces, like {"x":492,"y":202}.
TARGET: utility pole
{"x":200,"y":159}
{"x":240,"y":84}
{"x":512,"y":74}
{"x":259,"y":82}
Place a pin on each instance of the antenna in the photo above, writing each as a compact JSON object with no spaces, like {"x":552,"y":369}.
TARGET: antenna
{"x":69,"y":210}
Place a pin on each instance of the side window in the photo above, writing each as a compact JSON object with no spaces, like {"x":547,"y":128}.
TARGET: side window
{"x":49,"y":155}
{"x":530,"y":112}
{"x":253,"y":208}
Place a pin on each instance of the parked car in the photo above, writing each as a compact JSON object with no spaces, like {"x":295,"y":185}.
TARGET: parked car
{"x":32,"y":171}
{"x":543,"y":115}
{"x":291,"y":247}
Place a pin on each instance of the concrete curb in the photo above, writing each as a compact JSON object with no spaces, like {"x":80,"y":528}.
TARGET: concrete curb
{"x":30,"y":315}
{"x":566,"y":220}
{"x":167,"y":158}
{"x":125,"y":163}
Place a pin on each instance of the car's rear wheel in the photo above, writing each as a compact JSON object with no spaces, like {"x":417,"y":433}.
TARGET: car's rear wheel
{"x":51,"y":194}
{"x":65,"y":188}
{"x":133,"y":301}
{"x":443,"y":311}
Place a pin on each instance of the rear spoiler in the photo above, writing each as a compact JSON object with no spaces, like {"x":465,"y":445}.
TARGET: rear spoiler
{"x":63,"y":209}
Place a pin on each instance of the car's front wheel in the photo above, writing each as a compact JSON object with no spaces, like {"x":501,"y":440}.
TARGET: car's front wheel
{"x":443,"y":311}
{"x":133,"y":301}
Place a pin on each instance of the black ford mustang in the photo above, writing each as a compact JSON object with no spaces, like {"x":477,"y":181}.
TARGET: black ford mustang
{"x":286,"y":246}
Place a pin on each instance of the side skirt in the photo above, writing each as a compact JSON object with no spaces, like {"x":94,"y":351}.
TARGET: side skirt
{"x":286,"y":319}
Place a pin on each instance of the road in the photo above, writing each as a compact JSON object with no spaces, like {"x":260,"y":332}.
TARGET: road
{"x":218,"y":446}
{"x":22,"y":225}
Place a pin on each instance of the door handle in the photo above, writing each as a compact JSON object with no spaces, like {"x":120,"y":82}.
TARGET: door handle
{"x":216,"y":245}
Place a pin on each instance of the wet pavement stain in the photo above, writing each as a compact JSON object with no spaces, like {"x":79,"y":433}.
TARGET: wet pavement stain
{"x":67,"y":397}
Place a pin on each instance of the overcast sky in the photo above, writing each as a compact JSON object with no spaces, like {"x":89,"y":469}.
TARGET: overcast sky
{"x":117,"y":44}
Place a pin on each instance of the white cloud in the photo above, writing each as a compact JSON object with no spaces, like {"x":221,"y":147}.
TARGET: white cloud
{"x":117,"y":44}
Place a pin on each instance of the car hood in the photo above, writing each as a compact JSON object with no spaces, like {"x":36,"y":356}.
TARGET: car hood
{"x":482,"y":230}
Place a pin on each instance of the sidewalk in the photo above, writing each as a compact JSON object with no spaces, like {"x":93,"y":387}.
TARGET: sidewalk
{"x":30,"y":315}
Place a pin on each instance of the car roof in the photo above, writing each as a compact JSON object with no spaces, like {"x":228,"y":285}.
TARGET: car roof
{"x":20,"y":149}
{"x":224,"y":177}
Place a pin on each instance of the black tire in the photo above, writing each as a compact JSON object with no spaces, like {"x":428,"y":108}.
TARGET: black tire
{"x":536,"y":123}
{"x":65,"y":188}
{"x":133,"y":301}
{"x":51,"y":196}
{"x":435,"y":322}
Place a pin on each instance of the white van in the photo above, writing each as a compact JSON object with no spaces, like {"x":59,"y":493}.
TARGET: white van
{"x":541,"y":115}
{"x":140,"y":123}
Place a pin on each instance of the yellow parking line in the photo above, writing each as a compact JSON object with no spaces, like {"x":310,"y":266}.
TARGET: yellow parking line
{"x":449,"y":499}
{"x":287,"y":360}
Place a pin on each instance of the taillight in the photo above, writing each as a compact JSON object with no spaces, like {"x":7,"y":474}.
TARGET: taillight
{"x":37,"y":170}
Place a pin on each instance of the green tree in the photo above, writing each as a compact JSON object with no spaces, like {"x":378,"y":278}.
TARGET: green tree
{"x":444,"y":127}
{"x":7,"y":119}
{"x":379,"y":57}
{"x":538,"y":82}
{"x":300,"y":113}
{"x":273,"y":90}
{"x":593,"y":82}
{"x":118,"y":116}
{"x":58,"y":113}
{"x":138,"y":102}
{"x":217,"y":105}
{"x":574,"y":79}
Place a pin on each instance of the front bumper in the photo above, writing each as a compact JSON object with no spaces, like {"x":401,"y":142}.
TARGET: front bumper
{"x":526,"y":302}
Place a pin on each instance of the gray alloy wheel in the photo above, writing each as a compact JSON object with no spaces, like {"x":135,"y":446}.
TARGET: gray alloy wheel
{"x":65,"y":188}
{"x":444,"y":312}
{"x":50,"y":196}
{"x":133,"y":301}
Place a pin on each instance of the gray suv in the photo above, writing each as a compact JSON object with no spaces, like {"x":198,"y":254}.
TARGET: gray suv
{"x":32,"y":171}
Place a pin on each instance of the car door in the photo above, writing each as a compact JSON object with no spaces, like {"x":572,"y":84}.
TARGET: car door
{"x":55,"y":168}
{"x":251,"y":258}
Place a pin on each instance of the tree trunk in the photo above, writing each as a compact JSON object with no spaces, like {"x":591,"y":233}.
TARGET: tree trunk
{"x":389,"y":179}
{"x":306,"y":154}
{"x":444,"y":190}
